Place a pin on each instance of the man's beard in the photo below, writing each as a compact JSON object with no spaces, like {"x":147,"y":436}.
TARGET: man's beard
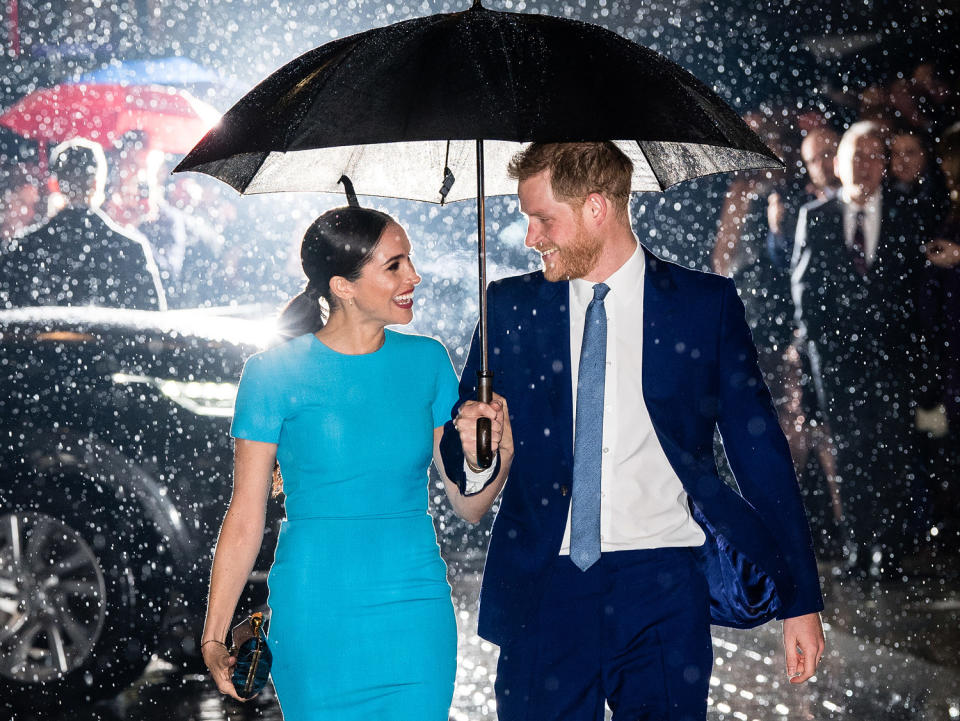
{"x":574,"y":260}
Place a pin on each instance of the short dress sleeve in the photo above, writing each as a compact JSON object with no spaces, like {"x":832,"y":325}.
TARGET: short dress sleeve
{"x":258,"y":412}
{"x":447,"y":391}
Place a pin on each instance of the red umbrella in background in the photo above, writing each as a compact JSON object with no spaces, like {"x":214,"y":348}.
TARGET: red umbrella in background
{"x":173,"y":119}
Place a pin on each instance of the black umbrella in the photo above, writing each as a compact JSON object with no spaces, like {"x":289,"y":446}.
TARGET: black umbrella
{"x":404,"y":110}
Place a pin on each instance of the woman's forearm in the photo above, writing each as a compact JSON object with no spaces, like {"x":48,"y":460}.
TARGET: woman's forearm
{"x":473,"y":508}
{"x":237,"y":548}
{"x":241,"y":534}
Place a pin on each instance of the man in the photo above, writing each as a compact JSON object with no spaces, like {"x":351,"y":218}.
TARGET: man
{"x":616,"y":542}
{"x":818,"y":151}
{"x":79,"y":257}
{"x":135,"y":200}
{"x":857,"y":262}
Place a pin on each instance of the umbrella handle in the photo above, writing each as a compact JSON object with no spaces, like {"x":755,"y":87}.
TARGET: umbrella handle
{"x":484,"y":426}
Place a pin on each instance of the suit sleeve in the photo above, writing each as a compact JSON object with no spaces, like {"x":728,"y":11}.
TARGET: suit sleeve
{"x":759,"y":456}
{"x":451,"y":452}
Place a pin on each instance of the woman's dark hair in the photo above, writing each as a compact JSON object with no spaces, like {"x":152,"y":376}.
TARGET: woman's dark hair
{"x":339,"y":242}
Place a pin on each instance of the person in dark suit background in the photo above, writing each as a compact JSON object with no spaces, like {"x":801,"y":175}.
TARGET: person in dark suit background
{"x":617,"y":544}
{"x":938,"y":413}
{"x":80,"y":257}
{"x":857,"y":265}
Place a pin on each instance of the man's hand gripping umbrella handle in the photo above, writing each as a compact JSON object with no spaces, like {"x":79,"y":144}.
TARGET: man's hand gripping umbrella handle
{"x":484,"y":426}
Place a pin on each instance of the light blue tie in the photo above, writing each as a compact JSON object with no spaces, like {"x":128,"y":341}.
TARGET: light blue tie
{"x":585,"y":514}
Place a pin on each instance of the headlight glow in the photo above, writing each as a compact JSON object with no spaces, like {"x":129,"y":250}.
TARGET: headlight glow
{"x":204,"y":398}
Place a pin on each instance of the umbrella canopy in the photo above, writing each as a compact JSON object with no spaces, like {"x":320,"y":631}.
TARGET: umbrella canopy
{"x":418,"y":109}
{"x":173,"y":119}
{"x":394,"y":107}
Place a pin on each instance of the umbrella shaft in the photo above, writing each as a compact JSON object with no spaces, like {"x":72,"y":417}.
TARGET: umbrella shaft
{"x":482,"y":258}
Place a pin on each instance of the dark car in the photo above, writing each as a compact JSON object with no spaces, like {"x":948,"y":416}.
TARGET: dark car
{"x":116,"y":471}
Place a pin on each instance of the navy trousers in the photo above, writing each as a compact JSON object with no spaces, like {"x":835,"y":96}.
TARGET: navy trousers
{"x":634,"y":630}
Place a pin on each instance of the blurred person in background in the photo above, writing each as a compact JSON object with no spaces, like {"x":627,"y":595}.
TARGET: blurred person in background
{"x":741,"y":252}
{"x":229,"y":260}
{"x":873,"y":103}
{"x":948,"y":150}
{"x":19,"y":202}
{"x":80,"y":257}
{"x":923,"y":99}
{"x":939,"y":413}
{"x":135,"y":199}
{"x":818,"y":152}
{"x":915,"y":181}
{"x":857,"y":266}
{"x":754,"y":244}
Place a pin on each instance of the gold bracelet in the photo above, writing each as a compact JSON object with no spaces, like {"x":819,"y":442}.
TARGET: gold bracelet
{"x":212,"y":640}
{"x":476,"y":469}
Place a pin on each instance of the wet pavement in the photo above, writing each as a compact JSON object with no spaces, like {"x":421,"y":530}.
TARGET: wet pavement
{"x":892,"y":654}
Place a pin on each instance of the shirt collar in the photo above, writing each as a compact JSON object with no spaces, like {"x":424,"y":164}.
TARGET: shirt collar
{"x":624,"y":282}
{"x":871,"y":206}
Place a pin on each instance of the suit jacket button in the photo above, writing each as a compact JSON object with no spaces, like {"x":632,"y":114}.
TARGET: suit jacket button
{"x":564,"y":490}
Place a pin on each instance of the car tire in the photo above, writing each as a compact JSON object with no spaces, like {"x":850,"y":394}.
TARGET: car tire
{"x":76,"y":622}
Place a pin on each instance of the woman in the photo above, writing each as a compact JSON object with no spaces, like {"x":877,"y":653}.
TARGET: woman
{"x":362,"y":626}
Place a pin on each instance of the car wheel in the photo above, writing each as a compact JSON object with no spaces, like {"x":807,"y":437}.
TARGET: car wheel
{"x":74,"y":626}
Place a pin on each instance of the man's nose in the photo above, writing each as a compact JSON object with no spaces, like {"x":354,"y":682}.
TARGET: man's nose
{"x":530,"y":240}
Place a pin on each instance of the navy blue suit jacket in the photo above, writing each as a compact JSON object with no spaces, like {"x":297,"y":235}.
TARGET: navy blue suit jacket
{"x":699,"y":373}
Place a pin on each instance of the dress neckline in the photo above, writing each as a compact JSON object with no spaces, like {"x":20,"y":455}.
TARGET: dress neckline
{"x":386,"y":339}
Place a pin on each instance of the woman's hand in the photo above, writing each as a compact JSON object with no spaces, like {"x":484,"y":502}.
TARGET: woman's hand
{"x":472,"y":508}
{"x":220,"y":664}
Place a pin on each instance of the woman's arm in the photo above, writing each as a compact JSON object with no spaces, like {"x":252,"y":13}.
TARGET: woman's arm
{"x":472,"y":508}
{"x":238,"y":545}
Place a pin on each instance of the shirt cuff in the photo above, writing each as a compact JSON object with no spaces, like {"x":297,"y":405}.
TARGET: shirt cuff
{"x":476,"y":481}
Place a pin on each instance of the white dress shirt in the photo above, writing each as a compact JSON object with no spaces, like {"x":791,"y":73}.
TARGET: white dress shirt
{"x":871,"y":223}
{"x":642,"y":501}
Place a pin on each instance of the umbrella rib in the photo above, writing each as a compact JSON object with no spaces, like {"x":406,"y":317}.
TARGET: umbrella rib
{"x":512,"y":84}
{"x":650,"y":165}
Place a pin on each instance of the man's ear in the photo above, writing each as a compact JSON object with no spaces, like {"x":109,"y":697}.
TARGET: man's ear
{"x":595,"y":209}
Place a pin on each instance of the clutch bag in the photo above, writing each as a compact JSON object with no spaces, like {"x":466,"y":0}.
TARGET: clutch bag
{"x":253,"y":657}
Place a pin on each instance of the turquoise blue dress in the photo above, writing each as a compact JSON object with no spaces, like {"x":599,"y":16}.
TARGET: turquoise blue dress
{"x":362,"y":624}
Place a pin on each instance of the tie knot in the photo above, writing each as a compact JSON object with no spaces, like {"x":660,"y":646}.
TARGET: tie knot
{"x":600,"y":291}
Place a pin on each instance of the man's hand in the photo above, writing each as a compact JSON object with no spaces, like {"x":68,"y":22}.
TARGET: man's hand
{"x":776,"y":212}
{"x":804,"y":643}
{"x":466,"y":425}
{"x":943,"y":253}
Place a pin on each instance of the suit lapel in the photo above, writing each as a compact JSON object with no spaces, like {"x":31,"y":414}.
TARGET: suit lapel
{"x":553,"y":346}
{"x":658,"y":310}
{"x":553,"y":342}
